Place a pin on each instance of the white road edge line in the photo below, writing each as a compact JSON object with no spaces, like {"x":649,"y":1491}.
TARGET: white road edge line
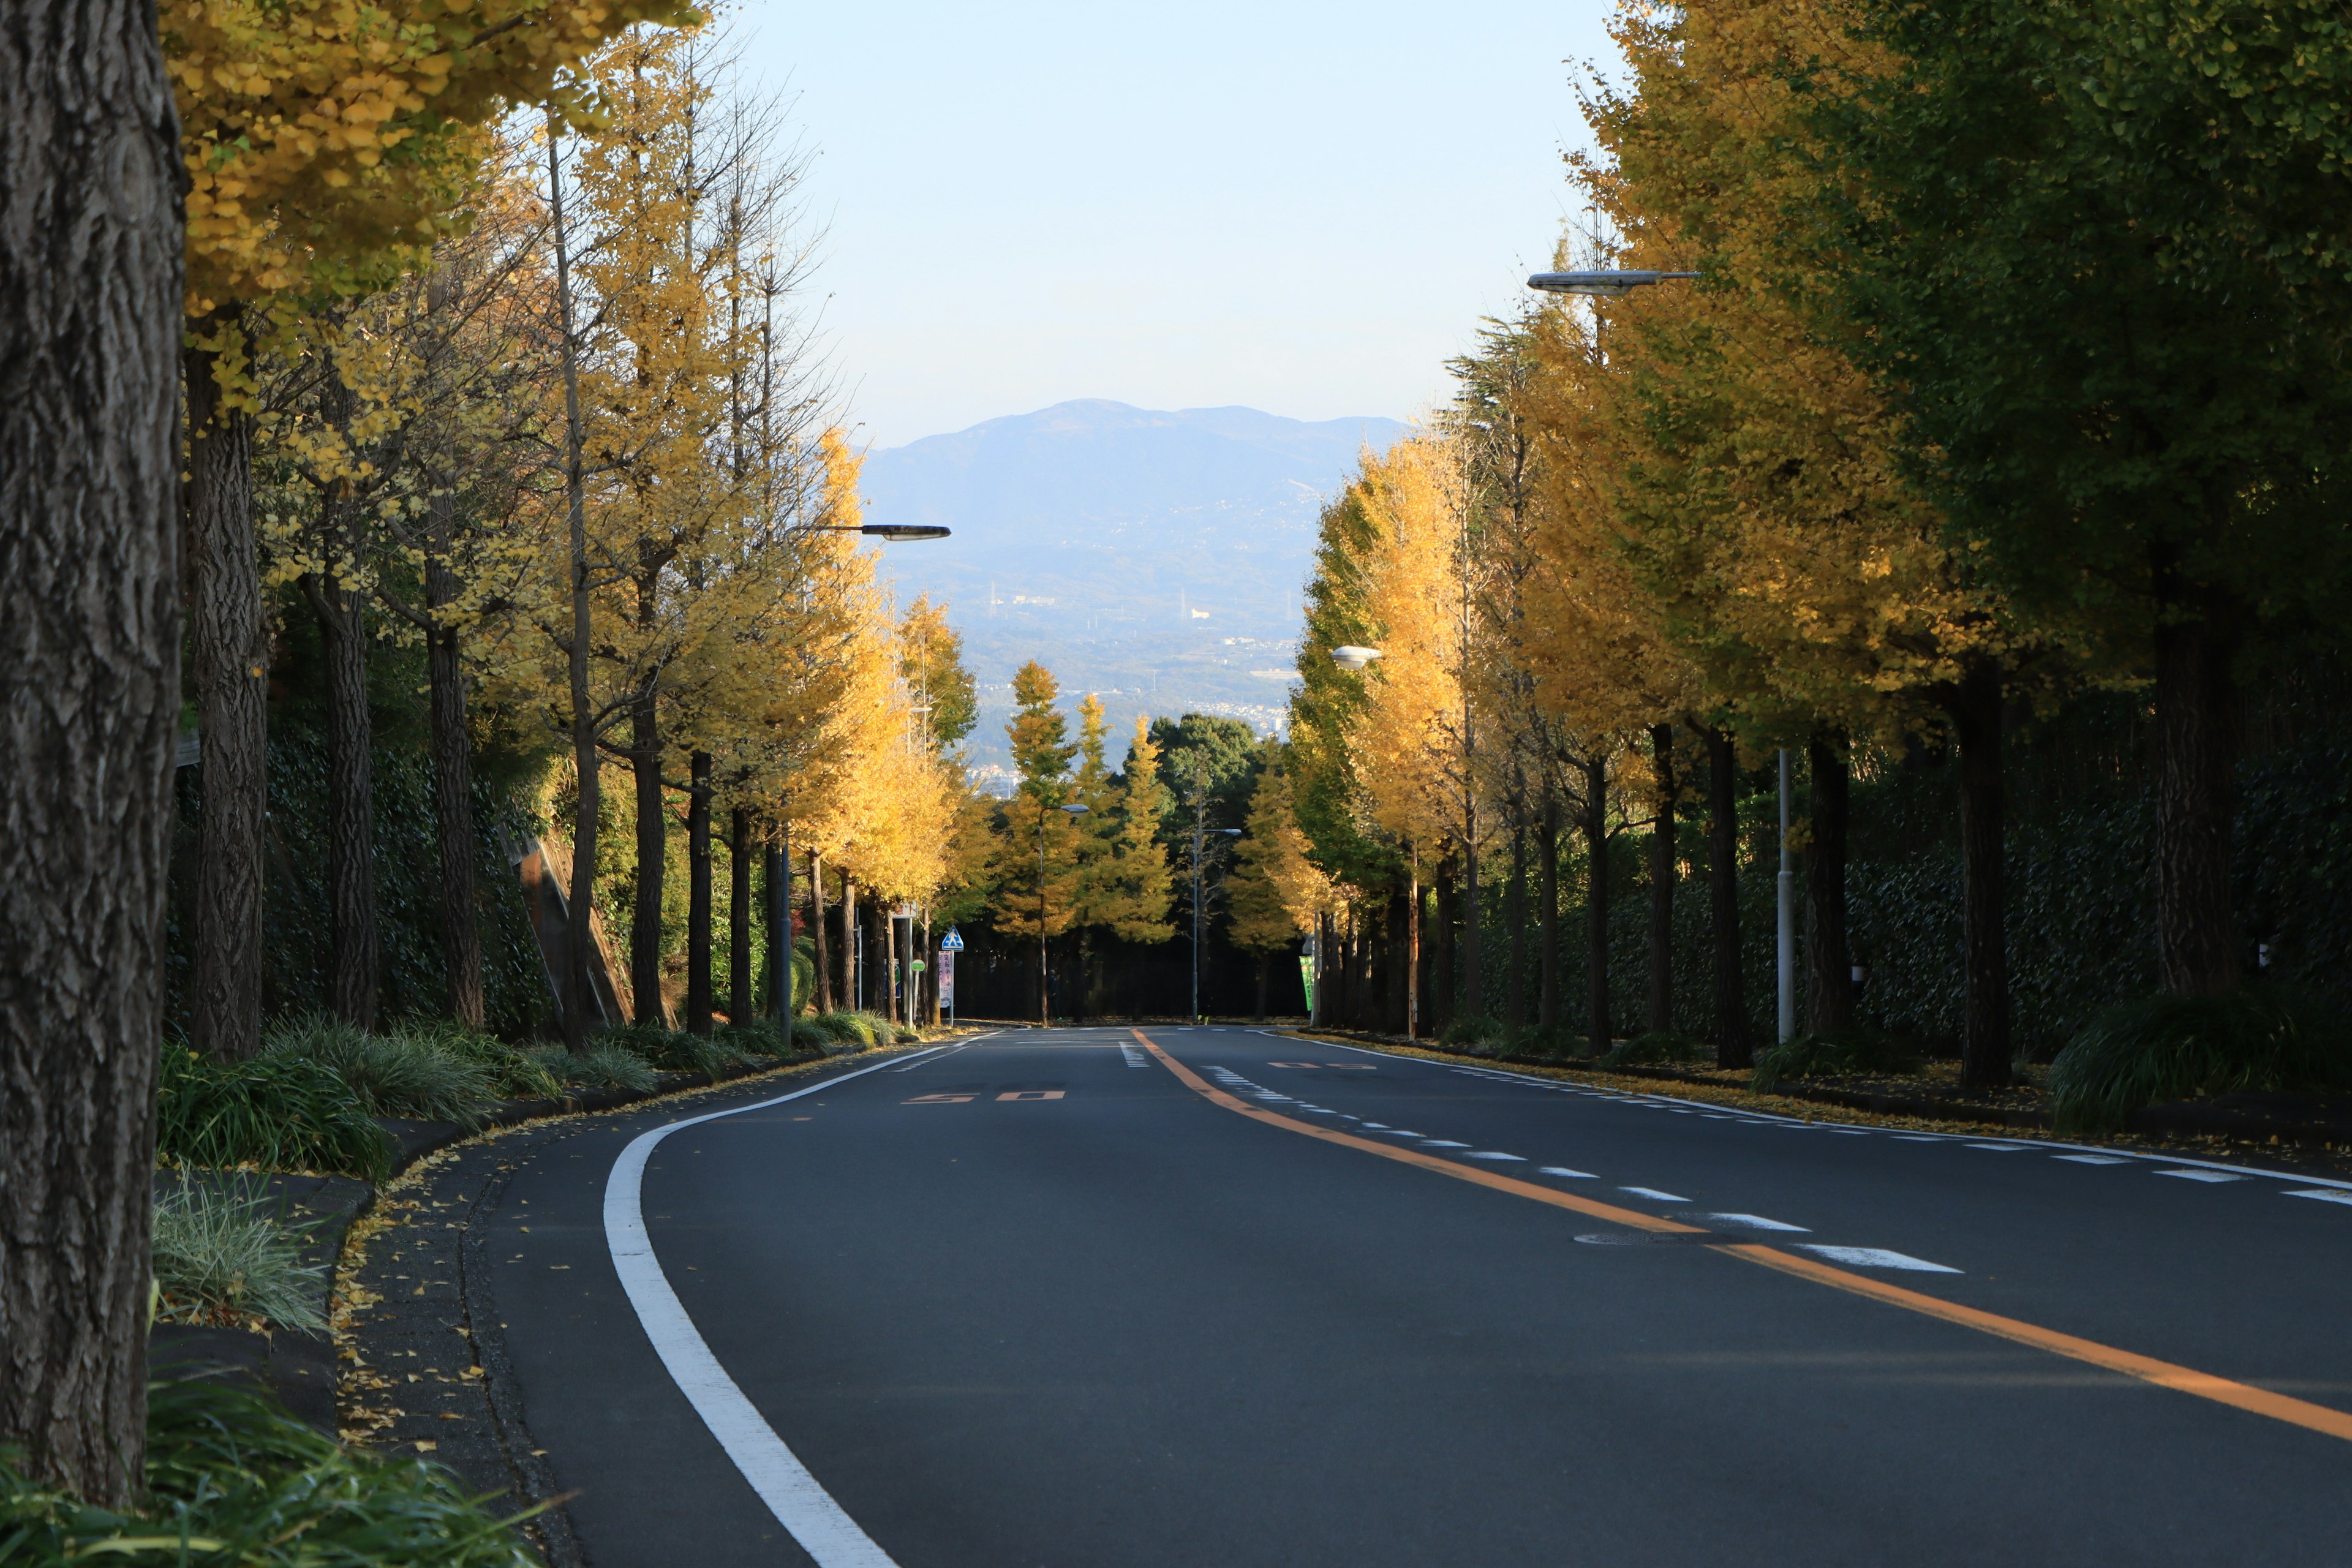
{"x":1621,"y":1096}
{"x":805,"y":1509}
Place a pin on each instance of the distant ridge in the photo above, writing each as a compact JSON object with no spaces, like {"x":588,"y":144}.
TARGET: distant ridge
{"x":1154,"y":556}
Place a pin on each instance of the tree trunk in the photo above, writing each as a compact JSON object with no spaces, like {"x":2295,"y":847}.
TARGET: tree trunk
{"x":2198,"y":736}
{"x":876,"y":968}
{"x":785,"y":1003}
{"x":1548,"y":924}
{"x":229,"y":645}
{"x":738,"y":914}
{"x":89,"y":638}
{"x":1735,"y":1039}
{"x":1265,"y":974}
{"x":1439,"y":986}
{"x":1515,"y":915}
{"x":1985,"y":1050}
{"x":850,"y":999}
{"x":351,"y":813}
{"x":698,"y":894}
{"x":582,"y":1002}
{"x":1829,"y":957}
{"x":1661,"y":883}
{"x":452,"y":797}
{"x":1474,"y":963}
{"x":1600,"y":1035}
{"x":820,"y":933}
{"x":652,"y":859}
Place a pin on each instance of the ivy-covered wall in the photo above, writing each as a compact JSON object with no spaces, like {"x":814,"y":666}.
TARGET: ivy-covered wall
{"x":515,"y":1001}
{"x":2082,"y":903}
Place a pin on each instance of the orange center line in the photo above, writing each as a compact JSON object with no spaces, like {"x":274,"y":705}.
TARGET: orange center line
{"x":2146,"y":1369}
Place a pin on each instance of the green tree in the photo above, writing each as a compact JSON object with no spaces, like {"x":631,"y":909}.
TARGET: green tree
{"x":1224,"y":750}
{"x":2095,"y":254}
{"x":932,"y":666}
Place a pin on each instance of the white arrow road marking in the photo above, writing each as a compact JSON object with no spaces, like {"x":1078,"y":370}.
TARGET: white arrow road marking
{"x":805,"y":1509}
{"x":1873,"y":1257}
{"x":2325,"y":1194}
{"x":1756,"y":1222}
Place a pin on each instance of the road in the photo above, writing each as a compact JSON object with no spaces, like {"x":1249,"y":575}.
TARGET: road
{"x":1085,"y":1298}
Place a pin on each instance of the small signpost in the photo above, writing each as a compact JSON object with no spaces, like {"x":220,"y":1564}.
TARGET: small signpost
{"x":950,"y":945}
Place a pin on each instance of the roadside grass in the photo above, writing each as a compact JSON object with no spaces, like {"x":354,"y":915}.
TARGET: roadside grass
{"x":222,"y":1258}
{"x":1858,"y":1049}
{"x":1659,"y":1048}
{"x":271,"y":1112}
{"x":411,"y":1072}
{"x":2164,"y":1049}
{"x":598,"y":1067}
{"x":233,"y":1482}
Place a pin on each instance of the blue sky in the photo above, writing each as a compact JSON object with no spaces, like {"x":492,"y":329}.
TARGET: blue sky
{"x":1299,"y":205}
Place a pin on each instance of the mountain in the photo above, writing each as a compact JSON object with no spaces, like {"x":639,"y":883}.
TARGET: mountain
{"x":1153,"y":557}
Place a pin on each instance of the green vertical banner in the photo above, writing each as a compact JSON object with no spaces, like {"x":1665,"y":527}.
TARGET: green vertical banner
{"x":1306,"y":978}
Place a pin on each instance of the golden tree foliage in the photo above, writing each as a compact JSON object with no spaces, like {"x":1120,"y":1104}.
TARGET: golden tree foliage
{"x":328,"y":143}
{"x":1130,"y":887}
{"x":1276,"y":891}
{"x":1415,"y":737}
{"x":1718,"y":464}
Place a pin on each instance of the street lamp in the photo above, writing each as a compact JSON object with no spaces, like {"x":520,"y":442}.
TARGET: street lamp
{"x":1606,"y":284}
{"x":1354,"y":658}
{"x":1044,"y":1010}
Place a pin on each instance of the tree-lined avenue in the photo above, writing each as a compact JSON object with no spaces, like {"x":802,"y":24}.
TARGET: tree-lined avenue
{"x":1039,"y":1301}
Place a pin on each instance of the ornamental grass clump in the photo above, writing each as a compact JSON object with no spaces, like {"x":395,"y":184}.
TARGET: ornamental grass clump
{"x":755,"y":1037}
{"x":598,"y":1067}
{"x":2185,"y":1047}
{"x":223,"y":1258}
{"x":404,"y":1074}
{"x":513,"y":1072}
{"x":1854,"y":1051}
{"x":268,"y":1113}
{"x":233,"y":1482}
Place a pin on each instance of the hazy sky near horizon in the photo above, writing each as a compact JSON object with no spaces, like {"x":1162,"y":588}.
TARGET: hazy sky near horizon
{"x":1302,"y":206}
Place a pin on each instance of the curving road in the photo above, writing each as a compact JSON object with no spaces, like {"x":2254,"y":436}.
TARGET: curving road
{"x":1088,"y":1298}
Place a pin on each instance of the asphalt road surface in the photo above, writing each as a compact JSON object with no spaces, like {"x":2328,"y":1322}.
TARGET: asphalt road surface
{"x":1072,"y":1299}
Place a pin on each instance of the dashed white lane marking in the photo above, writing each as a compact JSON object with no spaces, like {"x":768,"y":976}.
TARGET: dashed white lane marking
{"x":1378,"y":1126}
{"x":1873,"y":1257}
{"x":1443,"y":1144}
{"x":1134,"y":1054}
{"x":941,"y":1053}
{"x":1495,"y":1155}
{"x":1564,"y":1171}
{"x":1996,"y":1148}
{"x":1914,"y":1138}
{"x":2325,"y":1194}
{"x":2190,"y":1174}
{"x":1400,"y":1132}
{"x":1654,"y":1193}
{"x":806,"y":1510}
{"x":1758,"y":1222}
{"x":2093,"y":1159}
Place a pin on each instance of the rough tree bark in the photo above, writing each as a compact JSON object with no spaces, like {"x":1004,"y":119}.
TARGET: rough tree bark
{"x":2197,"y":737}
{"x":581,"y":1002}
{"x":90,"y":642}
{"x":1985,"y":1050}
{"x":1829,"y":957}
{"x":1548,"y":917}
{"x":228,"y":647}
{"x":819,"y":932}
{"x":849,"y":931}
{"x":1661,"y":883}
{"x":652,"y":859}
{"x":698,"y":894}
{"x":453,"y":785}
{"x":351,"y":807}
{"x":1396,"y":956}
{"x":739,"y":915}
{"x":1735,"y":1041}
{"x":1594,"y":820}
